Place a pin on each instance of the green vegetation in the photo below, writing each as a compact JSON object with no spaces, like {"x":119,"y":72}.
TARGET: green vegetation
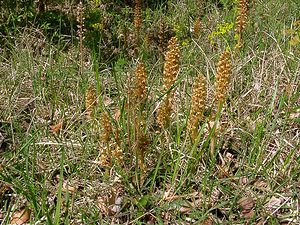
{"x":150,"y":112}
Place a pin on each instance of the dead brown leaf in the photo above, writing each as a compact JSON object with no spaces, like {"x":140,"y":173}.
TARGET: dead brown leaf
{"x":246,"y":203}
{"x":56,"y":127}
{"x":295,"y":115}
{"x":109,"y":203}
{"x":243,"y":180}
{"x":107,"y":101}
{"x":117,"y":114}
{"x":274,"y":203}
{"x":68,"y":188}
{"x":20,"y":217}
{"x":208,"y":221}
{"x":248,"y":214}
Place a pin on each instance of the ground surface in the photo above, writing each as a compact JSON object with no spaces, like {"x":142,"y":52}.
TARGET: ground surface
{"x":52,"y":152}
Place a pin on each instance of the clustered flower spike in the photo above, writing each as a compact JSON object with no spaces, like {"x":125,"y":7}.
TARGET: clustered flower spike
{"x":164,"y":112}
{"x":198,"y":105}
{"x":171,"y":66}
{"x":140,"y":86}
{"x":162,"y":36}
{"x":106,"y":127}
{"x":80,"y":20}
{"x":137,"y":14}
{"x":90,"y":101}
{"x":242,"y":16}
{"x":224,"y":72}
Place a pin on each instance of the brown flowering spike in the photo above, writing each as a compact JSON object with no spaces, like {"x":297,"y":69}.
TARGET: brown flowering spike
{"x":171,"y":66}
{"x":142,"y":146}
{"x":90,"y":101}
{"x":140,"y":86}
{"x":118,"y":154}
{"x":162,"y":33}
{"x":198,"y":105}
{"x":224,"y":72}
{"x":80,"y":33}
{"x":241,"y":20}
{"x":242,"y":15}
{"x":106,"y":127}
{"x":137,"y":14}
{"x":164,"y":112}
{"x":171,"y":69}
{"x":104,"y":160}
{"x":197,"y":26}
{"x":137,"y":20}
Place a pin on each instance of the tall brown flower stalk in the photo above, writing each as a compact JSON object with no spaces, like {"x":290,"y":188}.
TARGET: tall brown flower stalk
{"x":90,"y":101}
{"x":162,"y":36}
{"x":80,"y":33}
{"x":105,"y":137}
{"x":224,"y":71}
{"x":139,"y":97}
{"x":241,"y":21}
{"x":198,"y":106}
{"x":137,"y":19}
{"x":171,"y":69}
{"x":140,"y":85}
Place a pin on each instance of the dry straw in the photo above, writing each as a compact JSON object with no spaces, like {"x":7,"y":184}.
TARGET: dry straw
{"x":171,"y":69}
{"x":198,"y":106}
